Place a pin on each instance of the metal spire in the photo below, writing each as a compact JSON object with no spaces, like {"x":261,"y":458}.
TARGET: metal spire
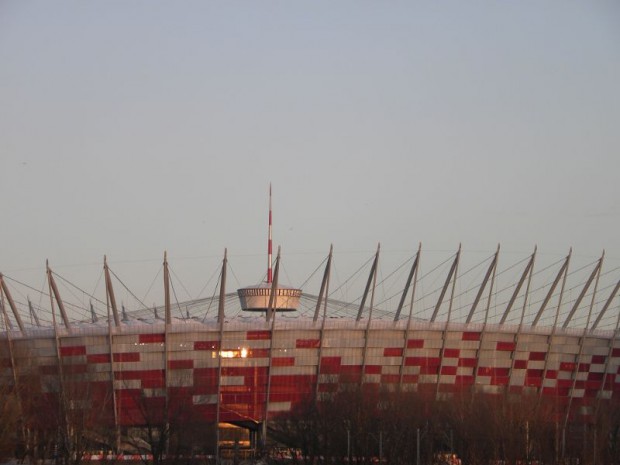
{"x":269,"y":272}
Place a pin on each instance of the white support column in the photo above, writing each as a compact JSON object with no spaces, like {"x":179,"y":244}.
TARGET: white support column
{"x":530,"y":270}
{"x":555,"y":322}
{"x":453,"y":272}
{"x":583,"y":335}
{"x":372,"y":299}
{"x":413,"y":282}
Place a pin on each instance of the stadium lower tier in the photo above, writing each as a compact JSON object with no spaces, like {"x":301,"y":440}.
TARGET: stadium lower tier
{"x":251,"y":372}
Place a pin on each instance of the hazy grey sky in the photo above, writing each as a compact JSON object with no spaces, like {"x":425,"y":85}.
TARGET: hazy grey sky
{"x":130,"y":127}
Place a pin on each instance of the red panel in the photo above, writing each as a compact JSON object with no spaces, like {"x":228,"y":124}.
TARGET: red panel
{"x":283,"y":361}
{"x":351,"y":369}
{"x":98,"y":358}
{"x":415,"y":344}
{"x":520,"y":364}
{"x":153,"y":383}
{"x":259,"y":353}
{"x":180,"y":364}
{"x":491,"y":371}
{"x":615,"y":352}
{"x":467,"y":362}
{"x":567,"y":366}
{"x":537,"y":356}
{"x":534,"y":373}
{"x":448,"y":370}
{"x":452,"y":353}
{"x":552,"y":374}
{"x":151,"y":338}
{"x":328,"y":387}
{"x":372,"y":369}
{"x":392,"y":352}
{"x":598,"y":359}
{"x":308,"y":343}
{"x":48,"y":369}
{"x":471,"y":336}
{"x":258,"y":335}
{"x":410,"y":379}
{"x":390,"y":379}
{"x":127,"y":357}
{"x":464,"y":380}
{"x":429,"y":370}
{"x":72,"y":351}
{"x":536,"y":382}
{"x":207,"y":345}
{"x":596,"y":376}
{"x":74,"y":369}
{"x":292,"y":380}
{"x":584,"y":367}
{"x":330,"y":361}
{"x":508,"y":346}
{"x":550,"y":391}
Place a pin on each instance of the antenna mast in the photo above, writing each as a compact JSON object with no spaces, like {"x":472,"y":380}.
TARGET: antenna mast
{"x":269,"y":272}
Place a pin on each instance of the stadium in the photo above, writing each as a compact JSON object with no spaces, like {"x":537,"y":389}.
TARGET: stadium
{"x":252,"y":356}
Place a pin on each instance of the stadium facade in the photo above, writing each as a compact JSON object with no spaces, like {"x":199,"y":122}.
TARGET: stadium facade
{"x":252,"y":367}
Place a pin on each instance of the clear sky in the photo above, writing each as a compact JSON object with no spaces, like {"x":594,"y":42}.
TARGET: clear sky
{"x":131,"y":127}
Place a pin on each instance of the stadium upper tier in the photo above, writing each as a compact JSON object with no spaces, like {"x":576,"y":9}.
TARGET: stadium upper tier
{"x":556,"y":337}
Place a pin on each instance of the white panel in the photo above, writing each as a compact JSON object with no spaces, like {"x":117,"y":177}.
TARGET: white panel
{"x":390,"y":370}
{"x":372,"y":379}
{"x":578,"y":393}
{"x":179,"y":378}
{"x":279,"y":406}
{"x":127,"y":384}
{"x":411,"y":370}
{"x":205,"y":399}
{"x":503,"y":337}
{"x":422,"y":353}
{"x":433,"y":344}
{"x":232,"y":380}
{"x":426,"y":379}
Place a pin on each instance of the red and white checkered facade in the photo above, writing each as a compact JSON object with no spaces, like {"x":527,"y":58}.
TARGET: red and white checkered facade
{"x":250,"y":371}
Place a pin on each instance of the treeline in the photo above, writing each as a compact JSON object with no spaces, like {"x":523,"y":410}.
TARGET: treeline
{"x":354,"y":425}
{"x":358,"y":426}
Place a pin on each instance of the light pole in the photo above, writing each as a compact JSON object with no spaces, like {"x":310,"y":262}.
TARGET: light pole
{"x":417,"y":453}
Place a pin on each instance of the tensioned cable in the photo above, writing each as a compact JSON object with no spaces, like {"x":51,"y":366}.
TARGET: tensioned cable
{"x":180,"y":282}
{"x":209,"y":281}
{"x":127,"y":289}
{"x":152,"y":282}
{"x":313,"y":273}
{"x":78,"y":288}
{"x":353,"y":275}
{"x":212,"y":297}
{"x":430,"y":272}
{"x":234,"y":275}
{"x":174,"y":292}
{"x":567,"y":302}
